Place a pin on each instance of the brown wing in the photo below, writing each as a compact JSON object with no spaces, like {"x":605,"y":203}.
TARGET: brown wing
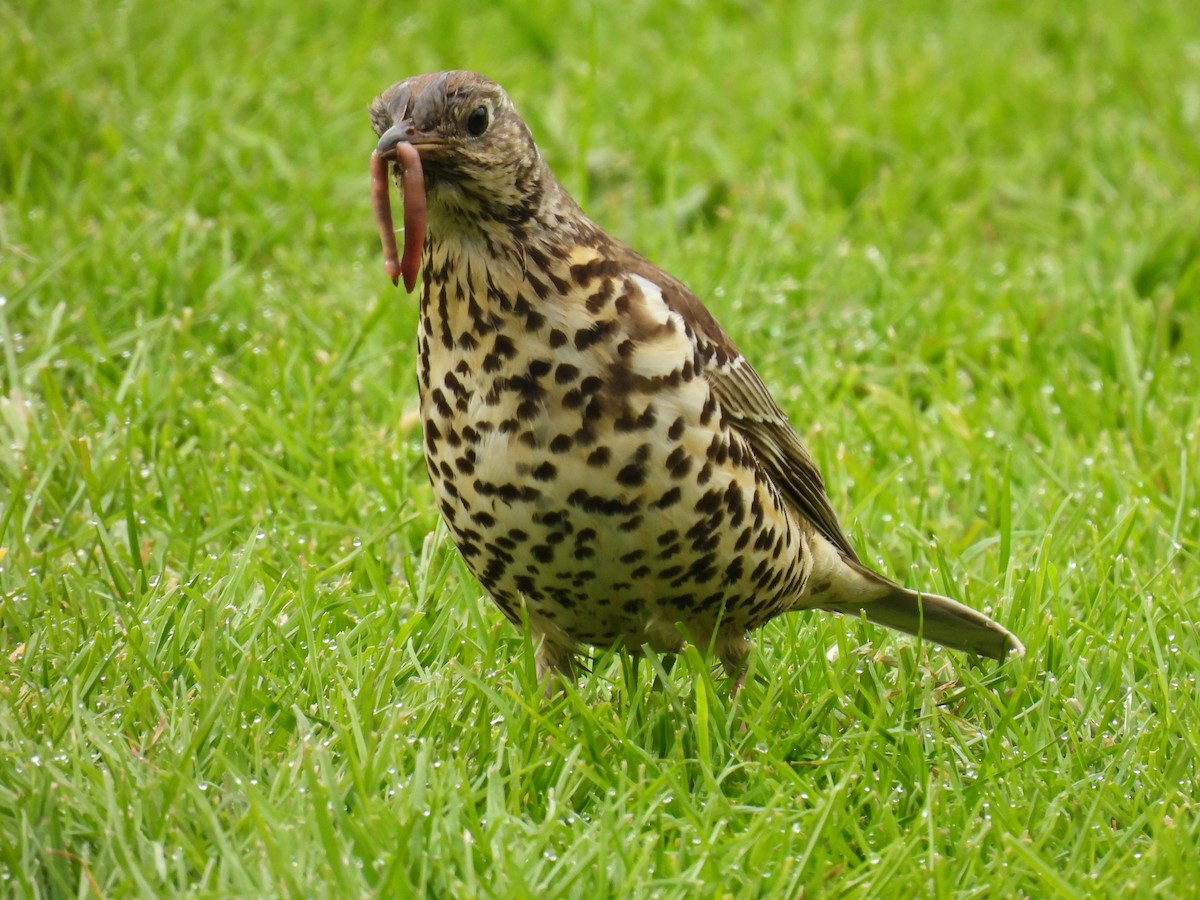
{"x":751,"y":410}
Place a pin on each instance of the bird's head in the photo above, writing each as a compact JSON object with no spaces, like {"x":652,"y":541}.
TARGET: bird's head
{"x":480,"y":161}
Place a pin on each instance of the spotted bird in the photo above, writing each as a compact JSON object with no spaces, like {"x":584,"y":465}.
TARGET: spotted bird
{"x":609,"y":465}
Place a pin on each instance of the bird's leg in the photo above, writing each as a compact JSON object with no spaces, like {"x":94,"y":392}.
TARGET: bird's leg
{"x":553,"y":660}
{"x":667,"y":663}
{"x":734,"y":655}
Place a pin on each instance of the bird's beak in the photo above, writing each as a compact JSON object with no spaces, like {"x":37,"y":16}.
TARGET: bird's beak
{"x":403,"y":132}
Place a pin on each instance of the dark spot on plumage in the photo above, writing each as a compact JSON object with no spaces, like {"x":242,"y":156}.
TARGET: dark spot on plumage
{"x":544,"y":472}
{"x":539,"y":368}
{"x":466,"y":466}
{"x":625,"y":348}
{"x":440,"y":403}
{"x":444,"y":317}
{"x":483,"y":519}
{"x":594,"y":410}
{"x":534,"y":320}
{"x":509,"y":426}
{"x":565,"y":373}
{"x":736,"y":504}
{"x":528,"y":409}
{"x":632,"y":556}
{"x":709,"y":409}
{"x":761,"y":570}
{"x":572,"y":399}
{"x":743,"y":539}
{"x":627,"y":421}
{"x":632,"y":475}
{"x":668,"y":499}
{"x":560,"y":444}
{"x":701,"y":571}
{"x":679,"y":463}
{"x":622,"y":379}
{"x":561,"y":285}
{"x":670,"y":551}
{"x":587,"y":337}
{"x":467,"y":341}
{"x":632,"y":606}
{"x":600,"y":267}
{"x":631,"y":524}
{"x":529,"y":439}
{"x":536,"y":255}
{"x":609,"y":506}
{"x":591,"y":384}
{"x":540,"y":288}
{"x":704,"y":476}
{"x":599,"y":298}
{"x":584,"y":552}
{"x":504,"y":346}
{"x":733,"y":571}
{"x":556,"y":338}
{"x":495,"y":569}
{"x":640,"y":572}
{"x":585,"y":436}
{"x":718,"y":450}
{"x":446,"y":471}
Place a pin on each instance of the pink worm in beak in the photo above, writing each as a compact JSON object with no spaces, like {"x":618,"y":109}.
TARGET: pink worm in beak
{"x":413,"y":181}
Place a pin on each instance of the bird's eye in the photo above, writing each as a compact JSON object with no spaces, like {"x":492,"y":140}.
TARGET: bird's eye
{"x":478,"y":121}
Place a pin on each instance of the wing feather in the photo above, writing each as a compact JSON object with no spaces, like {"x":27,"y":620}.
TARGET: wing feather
{"x":750,"y":409}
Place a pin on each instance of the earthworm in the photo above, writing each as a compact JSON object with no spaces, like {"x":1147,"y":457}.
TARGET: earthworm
{"x":413,"y":182}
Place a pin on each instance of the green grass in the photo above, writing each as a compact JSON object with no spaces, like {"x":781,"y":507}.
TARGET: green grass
{"x":237,"y":654}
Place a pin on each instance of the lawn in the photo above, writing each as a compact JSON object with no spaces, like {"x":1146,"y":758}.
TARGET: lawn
{"x":239,"y":655}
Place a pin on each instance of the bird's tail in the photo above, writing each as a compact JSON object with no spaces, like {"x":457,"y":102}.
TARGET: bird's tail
{"x":932,"y":617}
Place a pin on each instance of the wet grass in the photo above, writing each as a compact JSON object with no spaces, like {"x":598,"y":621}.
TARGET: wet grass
{"x":240,"y":658}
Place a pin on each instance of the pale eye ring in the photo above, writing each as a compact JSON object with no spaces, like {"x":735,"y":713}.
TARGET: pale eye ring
{"x":478,"y":121}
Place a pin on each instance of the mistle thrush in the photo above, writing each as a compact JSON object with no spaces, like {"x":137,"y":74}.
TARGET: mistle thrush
{"x":611,"y":468}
